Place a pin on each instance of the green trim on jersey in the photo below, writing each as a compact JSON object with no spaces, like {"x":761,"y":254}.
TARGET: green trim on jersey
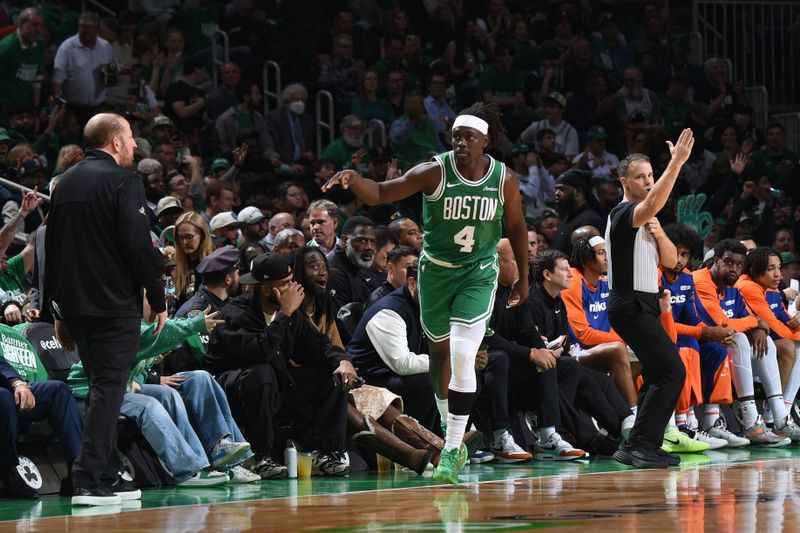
{"x":463,"y":219}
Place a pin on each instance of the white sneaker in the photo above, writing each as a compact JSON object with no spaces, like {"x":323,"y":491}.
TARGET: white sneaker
{"x":720,"y":431}
{"x":508,"y":451}
{"x":205,"y":478}
{"x":226,"y":451}
{"x":714,"y":443}
{"x":239,"y":474}
{"x":556,"y":449}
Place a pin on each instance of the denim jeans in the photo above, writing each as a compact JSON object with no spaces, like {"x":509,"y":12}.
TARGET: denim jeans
{"x":208,"y":410}
{"x":161,"y":416}
{"x":54,"y":403}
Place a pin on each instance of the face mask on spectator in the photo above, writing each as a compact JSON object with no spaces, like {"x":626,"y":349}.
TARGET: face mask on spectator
{"x":297,"y":107}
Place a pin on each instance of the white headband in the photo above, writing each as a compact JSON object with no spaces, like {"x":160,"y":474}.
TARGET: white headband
{"x":471,"y":121}
{"x":597,"y":239}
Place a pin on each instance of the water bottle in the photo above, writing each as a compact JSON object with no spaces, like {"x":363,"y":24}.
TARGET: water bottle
{"x":290,"y":458}
{"x":169,"y":287}
{"x":169,"y":292}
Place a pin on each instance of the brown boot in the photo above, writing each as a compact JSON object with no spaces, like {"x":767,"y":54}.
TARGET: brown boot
{"x":409,"y":430}
{"x":380,"y":440}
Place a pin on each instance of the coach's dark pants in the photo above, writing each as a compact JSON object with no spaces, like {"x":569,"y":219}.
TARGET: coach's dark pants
{"x":536,"y":390}
{"x":107,"y":347}
{"x":635,"y":316}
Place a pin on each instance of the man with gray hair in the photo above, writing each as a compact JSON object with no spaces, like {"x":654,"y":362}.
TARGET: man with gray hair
{"x":21,"y":64}
{"x":278,"y":222}
{"x":291,"y":128}
{"x":341,"y":150}
{"x":84,"y":67}
{"x":287,"y":240}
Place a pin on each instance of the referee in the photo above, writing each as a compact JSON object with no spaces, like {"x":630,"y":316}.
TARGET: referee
{"x":98,"y":257}
{"x":636,"y":244}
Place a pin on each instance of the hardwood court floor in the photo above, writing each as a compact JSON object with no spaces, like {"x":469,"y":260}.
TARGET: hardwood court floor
{"x":725,"y":491}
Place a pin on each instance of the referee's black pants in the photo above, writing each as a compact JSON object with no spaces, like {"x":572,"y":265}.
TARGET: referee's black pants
{"x":107,"y":347}
{"x":635,"y":316}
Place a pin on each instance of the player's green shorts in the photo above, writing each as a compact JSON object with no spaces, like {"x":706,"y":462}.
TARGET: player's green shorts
{"x":462,"y":295}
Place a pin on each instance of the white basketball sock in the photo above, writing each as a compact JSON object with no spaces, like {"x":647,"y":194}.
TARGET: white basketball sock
{"x":741,"y":369}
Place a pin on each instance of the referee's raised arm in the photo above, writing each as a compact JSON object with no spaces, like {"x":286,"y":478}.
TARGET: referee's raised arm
{"x":659,"y":193}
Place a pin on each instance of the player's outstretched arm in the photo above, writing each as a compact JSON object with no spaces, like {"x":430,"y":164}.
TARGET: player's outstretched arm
{"x":423,"y":177}
{"x":660,"y":192}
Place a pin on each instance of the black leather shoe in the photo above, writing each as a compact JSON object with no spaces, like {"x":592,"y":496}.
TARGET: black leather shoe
{"x":16,"y":487}
{"x":603,"y":445}
{"x":640,"y":458}
{"x":671,"y":458}
{"x":95,"y":496}
{"x":125,"y":490}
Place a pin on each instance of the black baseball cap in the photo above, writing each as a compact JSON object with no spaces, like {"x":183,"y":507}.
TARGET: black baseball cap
{"x":266,"y":267}
{"x":575,"y":178}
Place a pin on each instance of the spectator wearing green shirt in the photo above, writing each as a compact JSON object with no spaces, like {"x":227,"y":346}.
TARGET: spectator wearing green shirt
{"x":526,"y":54}
{"x":21,"y":64}
{"x":368,"y":105}
{"x":777,"y":163}
{"x":60,"y":20}
{"x":413,"y":135}
{"x":342,"y":149}
{"x":14,"y":270}
{"x":503,"y":85}
{"x":674,"y":106}
{"x":393,"y":48}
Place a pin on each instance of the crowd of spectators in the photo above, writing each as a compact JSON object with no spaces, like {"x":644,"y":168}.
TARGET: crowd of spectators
{"x":578,"y":88}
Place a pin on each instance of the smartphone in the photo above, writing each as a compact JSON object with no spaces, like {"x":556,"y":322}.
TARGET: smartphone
{"x":555,"y":343}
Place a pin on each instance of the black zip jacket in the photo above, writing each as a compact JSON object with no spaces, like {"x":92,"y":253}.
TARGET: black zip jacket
{"x":513,"y":329}
{"x":98,"y":251}
{"x":245,"y":340}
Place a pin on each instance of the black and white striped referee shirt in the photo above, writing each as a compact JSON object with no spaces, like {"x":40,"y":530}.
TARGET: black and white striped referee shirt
{"x":632,"y":253}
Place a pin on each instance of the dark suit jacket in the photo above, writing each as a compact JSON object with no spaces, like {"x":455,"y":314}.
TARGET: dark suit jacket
{"x":7,"y":373}
{"x":281,"y":133}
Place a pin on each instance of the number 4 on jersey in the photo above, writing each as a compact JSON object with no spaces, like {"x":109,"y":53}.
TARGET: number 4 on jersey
{"x":466,"y":238}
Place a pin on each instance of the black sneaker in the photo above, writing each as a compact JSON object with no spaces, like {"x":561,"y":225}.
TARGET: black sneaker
{"x":671,"y":458}
{"x":330,"y":464}
{"x":125,"y":490}
{"x":267,"y":468}
{"x":640,"y":458}
{"x":16,"y":488}
{"x":95,"y":496}
{"x":603,"y":445}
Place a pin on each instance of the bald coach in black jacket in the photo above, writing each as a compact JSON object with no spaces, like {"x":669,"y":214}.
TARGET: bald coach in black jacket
{"x":98,"y":257}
